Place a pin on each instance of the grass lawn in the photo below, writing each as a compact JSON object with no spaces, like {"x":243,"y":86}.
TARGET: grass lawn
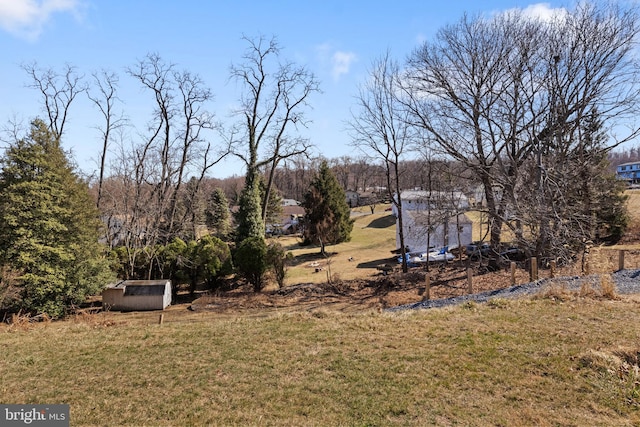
{"x":558,"y":360}
{"x":511,"y":363}
{"x":372,"y":240}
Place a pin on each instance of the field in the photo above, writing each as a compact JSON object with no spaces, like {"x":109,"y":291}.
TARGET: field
{"x":320,"y":353}
{"x":372,"y":240}
{"x":551,"y":361}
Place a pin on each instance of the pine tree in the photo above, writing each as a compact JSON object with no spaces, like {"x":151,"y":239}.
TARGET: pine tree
{"x":218,"y":217}
{"x":49,"y":226}
{"x":327,"y":212}
{"x":602,"y":195}
{"x":249,"y":216}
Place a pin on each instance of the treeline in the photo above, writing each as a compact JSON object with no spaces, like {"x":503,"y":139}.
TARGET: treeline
{"x":361,"y":174}
{"x":624,"y":155}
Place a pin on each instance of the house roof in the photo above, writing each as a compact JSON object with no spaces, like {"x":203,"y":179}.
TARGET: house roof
{"x":425,"y":195}
{"x":293,"y":210}
{"x":141,"y":287}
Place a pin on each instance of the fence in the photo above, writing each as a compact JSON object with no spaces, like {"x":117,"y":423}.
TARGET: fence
{"x":597,"y":261}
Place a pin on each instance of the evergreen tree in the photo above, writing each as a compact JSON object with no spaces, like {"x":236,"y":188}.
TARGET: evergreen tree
{"x":249,"y":216}
{"x":205,"y":260}
{"x":602,"y":195}
{"x":251,"y":261}
{"x":49,"y":226}
{"x":583,"y":201}
{"x":327,"y":212}
{"x":218,"y":216}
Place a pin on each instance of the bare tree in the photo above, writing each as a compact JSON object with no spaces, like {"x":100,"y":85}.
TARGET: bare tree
{"x":274,"y":97}
{"x":499,"y":93}
{"x":174,"y":145}
{"x":58,"y":91}
{"x":381,"y":129}
{"x":145,"y":194}
{"x":105,"y":98}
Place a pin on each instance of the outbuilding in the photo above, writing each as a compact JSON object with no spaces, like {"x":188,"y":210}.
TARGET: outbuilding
{"x":137,"y":295}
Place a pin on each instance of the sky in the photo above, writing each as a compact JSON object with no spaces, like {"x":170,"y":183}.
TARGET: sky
{"x":337,"y":40}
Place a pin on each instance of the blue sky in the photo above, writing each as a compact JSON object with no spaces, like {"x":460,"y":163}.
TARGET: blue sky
{"x":336,"y":40}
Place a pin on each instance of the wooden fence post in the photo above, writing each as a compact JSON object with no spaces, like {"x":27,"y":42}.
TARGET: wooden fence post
{"x":470,"y":280}
{"x":533,"y":269}
{"x":513,"y":273}
{"x":586,"y":265}
{"x":161,"y":319}
{"x":427,"y":287}
{"x":621,"y":259}
{"x":552,"y":269}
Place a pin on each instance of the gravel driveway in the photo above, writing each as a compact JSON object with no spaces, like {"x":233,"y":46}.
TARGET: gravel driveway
{"x":627,"y":282}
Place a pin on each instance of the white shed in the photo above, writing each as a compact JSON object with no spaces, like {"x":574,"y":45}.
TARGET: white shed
{"x":134,"y":295}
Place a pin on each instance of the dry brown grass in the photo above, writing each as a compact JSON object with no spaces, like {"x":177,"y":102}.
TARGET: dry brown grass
{"x":559,"y":290}
{"x":515,"y":363}
{"x":570,"y":358}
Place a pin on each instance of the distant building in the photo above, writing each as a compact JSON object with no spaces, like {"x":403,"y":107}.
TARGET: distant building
{"x":433,"y":219}
{"x":371,"y":195}
{"x":137,"y":295}
{"x":422,"y":200}
{"x":629,"y":172}
{"x":353,"y":198}
{"x":290,"y":219}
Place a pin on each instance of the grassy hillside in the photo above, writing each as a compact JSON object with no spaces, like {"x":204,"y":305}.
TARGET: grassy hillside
{"x":372,"y":240}
{"x":554,"y":360}
{"x":512,"y":363}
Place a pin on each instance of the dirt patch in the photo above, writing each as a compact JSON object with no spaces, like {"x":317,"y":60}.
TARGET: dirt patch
{"x":376,"y":293}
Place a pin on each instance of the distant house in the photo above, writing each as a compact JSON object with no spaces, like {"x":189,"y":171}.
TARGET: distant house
{"x":290,"y":202}
{"x":137,"y":295}
{"x":292,"y":218}
{"x":353,"y":198}
{"x":368,"y":198}
{"x":629,"y":172}
{"x":289,"y":220}
{"x":433,"y":219}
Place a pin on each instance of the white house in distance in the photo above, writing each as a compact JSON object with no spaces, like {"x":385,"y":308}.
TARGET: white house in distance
{"x":137,"y":295}
{"x":433,"y":219}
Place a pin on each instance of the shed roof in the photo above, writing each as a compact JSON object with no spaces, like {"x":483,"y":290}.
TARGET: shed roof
{"x":142,"y":287}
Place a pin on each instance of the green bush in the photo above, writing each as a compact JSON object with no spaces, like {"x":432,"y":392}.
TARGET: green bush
{"x":251,"y":261}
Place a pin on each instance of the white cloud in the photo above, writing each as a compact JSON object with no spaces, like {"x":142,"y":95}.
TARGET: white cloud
{"x":341,"y":63}
{"x":542,"y":11}
{"x":338,"y":61}
{"x":27,"y":18}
